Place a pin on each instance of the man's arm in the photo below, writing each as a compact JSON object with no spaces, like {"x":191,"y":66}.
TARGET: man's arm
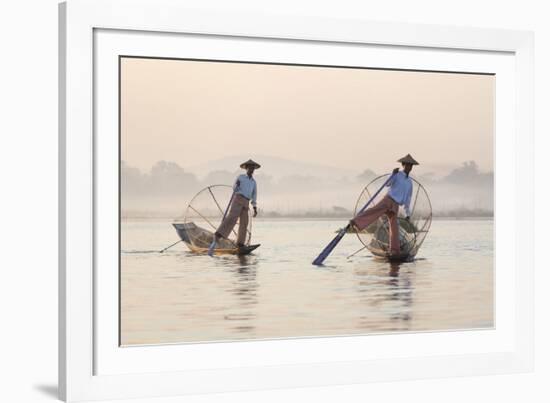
{"x":237,"y":184}
{"x":407,"y":203}
{"x":253,"y":199}
{"x":396,"y":170}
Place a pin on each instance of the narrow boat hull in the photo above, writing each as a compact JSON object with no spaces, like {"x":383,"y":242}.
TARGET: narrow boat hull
{"x":244,"y":250}
{"x":381,"y":254}
{"x":394,"y":258}
{"x":199,"y":239}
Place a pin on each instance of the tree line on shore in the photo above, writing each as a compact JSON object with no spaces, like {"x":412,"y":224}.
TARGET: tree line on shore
{"x":463,"y":192}
{"x":168,"y":178}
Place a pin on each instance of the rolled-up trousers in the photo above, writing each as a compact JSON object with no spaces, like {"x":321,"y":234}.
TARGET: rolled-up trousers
{"x":237,"y":211}
{"x":386,"y":206}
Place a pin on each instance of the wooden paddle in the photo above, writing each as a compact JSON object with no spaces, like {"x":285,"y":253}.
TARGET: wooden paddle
{"x":213,"y":244}
{"x":332,"y":244}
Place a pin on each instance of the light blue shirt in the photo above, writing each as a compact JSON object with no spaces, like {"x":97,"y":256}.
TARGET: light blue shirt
{"x":401,"y":187}
{"x":247,"y":188}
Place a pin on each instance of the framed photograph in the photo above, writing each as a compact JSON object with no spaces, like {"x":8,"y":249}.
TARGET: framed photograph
{"x":255,"y":201}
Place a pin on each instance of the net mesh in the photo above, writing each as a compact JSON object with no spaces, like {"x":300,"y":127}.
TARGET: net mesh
{"x":411,"y":233}
{"x":206,"y":211}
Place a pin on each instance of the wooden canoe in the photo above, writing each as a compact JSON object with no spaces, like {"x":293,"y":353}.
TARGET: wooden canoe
{"x":199,"y":239}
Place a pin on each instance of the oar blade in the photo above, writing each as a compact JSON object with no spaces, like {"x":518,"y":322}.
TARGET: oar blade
{"x":329,"y":248}
{"x":211,"y":248}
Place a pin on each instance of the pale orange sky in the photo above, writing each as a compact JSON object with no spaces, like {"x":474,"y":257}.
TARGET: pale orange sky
{"x":194,"y":112}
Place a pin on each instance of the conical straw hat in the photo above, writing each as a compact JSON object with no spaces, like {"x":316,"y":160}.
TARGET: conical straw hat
{"x":250,"y":162}
{"x":408,"y":159}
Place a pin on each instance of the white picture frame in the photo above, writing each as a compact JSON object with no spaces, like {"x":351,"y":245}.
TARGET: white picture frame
{"x":85,"y":338}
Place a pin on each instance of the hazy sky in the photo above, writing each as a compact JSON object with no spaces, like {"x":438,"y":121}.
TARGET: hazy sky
{"x":193,"y":112}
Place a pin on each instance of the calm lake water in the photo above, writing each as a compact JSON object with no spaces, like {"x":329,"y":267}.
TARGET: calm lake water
{"x":179,"y":297}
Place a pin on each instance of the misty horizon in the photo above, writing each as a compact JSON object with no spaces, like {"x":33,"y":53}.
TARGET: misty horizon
{"x":167,"y":187}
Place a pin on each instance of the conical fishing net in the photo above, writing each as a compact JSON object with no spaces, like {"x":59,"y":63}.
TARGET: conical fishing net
{"x":411,"y":233}
{"x":204,"y":215}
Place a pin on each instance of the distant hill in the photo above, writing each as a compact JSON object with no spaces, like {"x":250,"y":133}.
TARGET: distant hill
{"x":294,"y":188}
{"x":273,"y":166}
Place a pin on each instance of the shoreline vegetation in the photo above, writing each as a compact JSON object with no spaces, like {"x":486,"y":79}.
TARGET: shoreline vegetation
{"x":299,"y":191}
{"x":458,"y":214}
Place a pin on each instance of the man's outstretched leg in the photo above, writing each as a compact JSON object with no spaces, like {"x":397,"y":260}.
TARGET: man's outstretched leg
{"x":226,"y":225}
{"x":370,"y":215}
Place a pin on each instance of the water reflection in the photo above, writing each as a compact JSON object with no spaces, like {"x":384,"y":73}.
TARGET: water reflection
{"x":178,"y":296}
{"x":402,"y":292}
{"x":244,"y":286}
{"x":387,"y":295}
{"x":394,"y":269}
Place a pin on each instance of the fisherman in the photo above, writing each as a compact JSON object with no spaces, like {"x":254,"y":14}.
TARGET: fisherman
{"x":245,"y":190}
{"x":399,"y":194}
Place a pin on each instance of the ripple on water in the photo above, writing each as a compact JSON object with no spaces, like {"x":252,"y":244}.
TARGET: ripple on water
{"x":178,"y":296}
